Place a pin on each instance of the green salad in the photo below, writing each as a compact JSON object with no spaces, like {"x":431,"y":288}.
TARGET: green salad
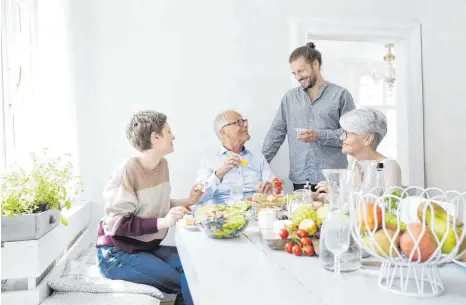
{"x":223,"y":221}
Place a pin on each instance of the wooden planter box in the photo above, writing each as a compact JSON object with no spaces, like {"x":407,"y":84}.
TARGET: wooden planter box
{"x":29,"y":226}
{"x":26,"y":265}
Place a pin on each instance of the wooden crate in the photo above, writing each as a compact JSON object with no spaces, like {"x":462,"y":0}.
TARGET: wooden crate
{"x":26,"y":264}
{"x":29,"y":226}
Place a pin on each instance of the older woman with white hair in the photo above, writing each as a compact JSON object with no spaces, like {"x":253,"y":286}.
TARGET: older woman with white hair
{"x":364,"y":129}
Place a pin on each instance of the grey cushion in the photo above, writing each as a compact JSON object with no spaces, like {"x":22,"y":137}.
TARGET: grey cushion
{"x":83,"y":275}
{"x":89,"y":256}
{"x":80,"y":298}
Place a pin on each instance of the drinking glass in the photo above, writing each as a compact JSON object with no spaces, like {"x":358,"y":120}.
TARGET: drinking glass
{"x":299,"y":131}
{"x":236,"y":192}
{"x":337,"y":234}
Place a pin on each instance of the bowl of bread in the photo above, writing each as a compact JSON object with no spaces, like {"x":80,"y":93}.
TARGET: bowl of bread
{"x":260,"y":201}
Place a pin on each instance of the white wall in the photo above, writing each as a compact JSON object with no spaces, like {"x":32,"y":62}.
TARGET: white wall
{"x":192,"y":59}
{"x":444,"y":71}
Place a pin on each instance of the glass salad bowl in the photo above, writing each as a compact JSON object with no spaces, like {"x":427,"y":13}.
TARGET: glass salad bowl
{"x":223,"y":221}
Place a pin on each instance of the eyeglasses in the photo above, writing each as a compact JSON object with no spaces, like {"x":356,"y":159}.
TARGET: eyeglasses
{"x":345,"y":134}
{"x":239,"y":122}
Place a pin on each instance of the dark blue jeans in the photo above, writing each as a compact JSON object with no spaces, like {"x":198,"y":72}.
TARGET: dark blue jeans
{"x":160,"y":267}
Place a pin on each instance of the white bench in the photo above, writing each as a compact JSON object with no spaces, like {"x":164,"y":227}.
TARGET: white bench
{"x":29,"y":266}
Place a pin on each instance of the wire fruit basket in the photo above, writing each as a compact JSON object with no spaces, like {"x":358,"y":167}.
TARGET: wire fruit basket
{"x":414,"y":231}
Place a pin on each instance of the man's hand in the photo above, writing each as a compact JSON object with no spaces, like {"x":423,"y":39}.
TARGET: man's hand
{"x":308,"y":136}
{"x":266,"y":187}
{"x":172,"y":217}
{"x":231,"y":162}
{"x":196,"y":194}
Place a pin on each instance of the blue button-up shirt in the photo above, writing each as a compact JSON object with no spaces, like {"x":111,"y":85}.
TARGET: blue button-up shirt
{"x":250,"y":175}
{"x":307,"y":160}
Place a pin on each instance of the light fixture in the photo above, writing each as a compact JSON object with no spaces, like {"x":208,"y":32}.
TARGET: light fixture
{"x":389,"y":76}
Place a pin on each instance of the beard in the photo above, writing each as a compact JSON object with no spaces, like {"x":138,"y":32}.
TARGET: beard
{"x":312,"y":79}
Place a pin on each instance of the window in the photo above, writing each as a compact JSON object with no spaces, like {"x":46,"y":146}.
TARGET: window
{"x":351,"y":46}
{"x":17,"y":40}
{"x":377,"y":95}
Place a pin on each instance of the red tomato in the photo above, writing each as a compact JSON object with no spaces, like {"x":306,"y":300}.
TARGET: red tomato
{"x":297,"y":250}
{"x":302,"y":233}
{"x":289,"y":247}
{"x":308,"y":250}
{"x":305,"y":241}
{"x":284,"y":234}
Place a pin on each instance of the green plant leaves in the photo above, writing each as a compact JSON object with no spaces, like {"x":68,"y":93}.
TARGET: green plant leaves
{"x":51,"y":180}
{"x":63,"y":220}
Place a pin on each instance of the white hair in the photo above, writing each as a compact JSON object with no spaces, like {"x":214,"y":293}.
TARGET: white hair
{"x":219,"y":122}
{"x":366,"y":121}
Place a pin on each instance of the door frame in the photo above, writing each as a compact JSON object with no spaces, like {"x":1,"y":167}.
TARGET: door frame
{"x":410,"y":109}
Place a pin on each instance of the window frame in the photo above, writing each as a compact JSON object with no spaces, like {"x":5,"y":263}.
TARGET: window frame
{"x":10,"y":107}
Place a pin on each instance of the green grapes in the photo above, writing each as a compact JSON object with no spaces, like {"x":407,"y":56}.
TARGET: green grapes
{"x":305,"y":211}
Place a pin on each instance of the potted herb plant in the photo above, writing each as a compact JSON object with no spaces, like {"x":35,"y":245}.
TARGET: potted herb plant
{"x":32,"y":200}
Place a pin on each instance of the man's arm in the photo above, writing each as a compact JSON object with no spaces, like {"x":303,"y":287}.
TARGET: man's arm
{"x":331,"y":137}
{"x":276,"y":134}
{"x":207,"y":178}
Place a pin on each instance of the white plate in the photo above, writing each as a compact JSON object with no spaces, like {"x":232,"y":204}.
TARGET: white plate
{"x":187,"y":227}
{"x":191,"y":228}
{"x":462,"y":264}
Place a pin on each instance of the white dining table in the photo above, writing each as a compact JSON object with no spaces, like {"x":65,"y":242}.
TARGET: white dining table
{"x":244,"y":271}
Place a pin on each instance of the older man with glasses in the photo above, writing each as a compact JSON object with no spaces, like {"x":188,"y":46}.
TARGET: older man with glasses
{"x":233,"y":166}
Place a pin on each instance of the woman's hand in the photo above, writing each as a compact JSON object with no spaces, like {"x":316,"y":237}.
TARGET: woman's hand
{"x":322,"y":187}
{"x":321,"y":191}
{"x":172,"y":217}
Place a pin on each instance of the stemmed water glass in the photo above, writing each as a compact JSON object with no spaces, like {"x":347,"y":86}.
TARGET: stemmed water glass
{"x":336,"y":231}
{"x":236,"y":193}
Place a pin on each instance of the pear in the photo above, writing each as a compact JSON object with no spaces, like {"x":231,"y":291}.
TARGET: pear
{"x":438,"y":212}
{"x":439,"y":226}
{"x":381,"y":243}
{"x":369,"y":217}
{"x":391,"y":221}
{"x":308,"y":225}
{"x":322,"y":212}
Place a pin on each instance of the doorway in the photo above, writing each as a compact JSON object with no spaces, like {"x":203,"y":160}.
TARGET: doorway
{"x":353,"y":57}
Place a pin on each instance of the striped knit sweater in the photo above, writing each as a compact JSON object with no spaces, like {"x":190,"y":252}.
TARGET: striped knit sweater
{"x":135,"y":197}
